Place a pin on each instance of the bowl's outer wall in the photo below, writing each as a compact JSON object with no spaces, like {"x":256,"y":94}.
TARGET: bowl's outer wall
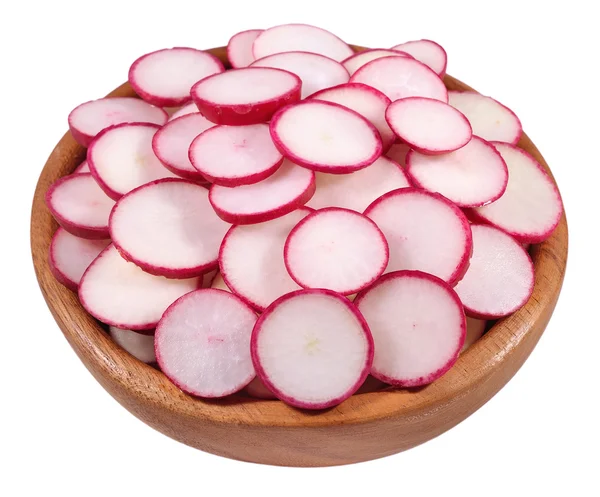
{"x":364,"y":427}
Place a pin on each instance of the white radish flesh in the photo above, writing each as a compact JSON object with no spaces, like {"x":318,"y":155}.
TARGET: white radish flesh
{"x":356,"y":61}
{"x":398,"y":153}
{"x":257,"y":389}
{"x":475,"y":330}
{"x":239,"y":48}
{"x":428,"y":52}
{"x":82,"y":168}
{"x":138,"y":345}
{"x":184,"y":111}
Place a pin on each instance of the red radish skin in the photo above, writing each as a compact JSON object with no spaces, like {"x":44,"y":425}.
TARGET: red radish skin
{"x":312,"y":348}
{"x":250,"y":95}
{"x":184,"y":111}
{"x":239,"y":48}
{"x":208,"y":278}
{"x":82,"y":168}
{"x":428,"y":52}
{"x":138,"y":345}
{"x":398,"y":153}
{"x":258,"y":390}
{"x":475,"y":330}
{"x":356,"y":61}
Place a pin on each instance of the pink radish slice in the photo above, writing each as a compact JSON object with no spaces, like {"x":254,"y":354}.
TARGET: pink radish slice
{"x":80,"y":206}
{"x":284,"y":191}
{"x":70,"y":256}
{"x":138,"y":345}
{"x":398,"y":152}
{"x":300,"y":38}
{"x":425,"y":231}
{"x":428,"y":52}
{"x":82,"y":168}
{"x":166,"y":76}
{"x":120,"y":294}
{"x":168,"y":228}
{"x":87,"y":120}
{"x":258,"y":390}
{"x":184,"y":111}
{"x":246,"y":96}
{"x":356,"y":61}
{"x":235,"y":155}
{"x":472,"y":176}
{"x":489,"y":119}
{"x":316,"y":71}
{"x":475,"y":330}
{"x":325,"y":137}
{"x":208,"y":278}
{"x":219,"y":283}
{"x":203,"y":343}
{"x":500,"y":276}
{"x":312,"y":348}
{"x":531,"y":207}
{"x":401,"y":77}
{"x":121,"y":159}
{"x":418,"y":327}
{"x":336,"y":249}
{"x":239,"y":48}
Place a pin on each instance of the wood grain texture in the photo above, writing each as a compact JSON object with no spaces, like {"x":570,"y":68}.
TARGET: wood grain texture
{"x":364,"y":427}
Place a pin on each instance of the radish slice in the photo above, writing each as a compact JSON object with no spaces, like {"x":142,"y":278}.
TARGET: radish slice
{"x":80,"y":206}
{"x":429,"y":126}
{"x":246,"y":96}
{"x":88,"y":119}
{"x":251,"y":260}
{"x":121,"y":159}
{"x":425,"y":231}
{"x":356,"y":61}
{"x":239,"y":48}
{"x":401,"y":77}
{"x":418,"y":327}
{"x":120,"y":294}
{"x":203,"y":343}
{"x":82,"y":168}
{"x":300,"y":38}
{"x":473,"y":175}
{"x":500,"y":276}
{"x":489,"y":118}
{"x":70,"y":256}
{"x":316,"y":71}
{"x":428,"y":52}
{"x":235,"y":155}
{"x":398,"y":152}
{"x":258,"y":390}
{"x":138,"y":345}
{"x":336,"y":249}
{"x":184,"y":111}
{"x":325,"y":137}
{"x":208,"y":278}
{"x":312,"y":349}
{"x":531,"y":207}
{"x":284,"y":191}
{"x":475,"y":330}
{"x":168,"y":228}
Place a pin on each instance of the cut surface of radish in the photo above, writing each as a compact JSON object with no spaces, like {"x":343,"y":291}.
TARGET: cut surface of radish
{"x":325,"y":137}
{"x":428,"y":52}
{"x":250,"y":95}
{"x":418,"y":327}
{"x":219,"y":283}
{"x":257,"y":389}
{"x":356,"y":61}
{"x":168,"y":228}
{"x":203,"y":343}
{"x":398,"y":153}
{"x":235,"y":155}
{"x":239,"y":48}
{"x":184,"y":111}
{"x":312,"y":348}
{"x":82,"y":168}
{"x":138,"y":345}
{"x":500,"y":276}
{"x":475,"y":330}
{"x":425,"y":232}
{"x":472,"y":176}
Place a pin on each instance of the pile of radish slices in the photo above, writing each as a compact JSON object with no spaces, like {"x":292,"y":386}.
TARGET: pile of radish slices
{"x":304,"y":220}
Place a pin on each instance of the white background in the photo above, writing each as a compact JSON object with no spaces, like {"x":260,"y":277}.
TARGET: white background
{"x":62,"y":434}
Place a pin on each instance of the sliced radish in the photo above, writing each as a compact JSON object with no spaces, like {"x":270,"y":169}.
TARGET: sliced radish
{"x":474,"y":175}
{"x":325,"y":137}
{"x":425,"y":231}
{"x":356,"y":61}
{"x":246,"y":96}
{"x":219,"y":283}
{"x":208,"y":278}
{"x":398,"y":152}
{"x":80,"y":206}
{"x":184,"y":111}
{"x":418,"y":327}
{"x":88,"y":119}
{"x":428,"y":52}
{"x":82,"y":168}
{"x":284,"y":191}
{"x":500,"y":276}
{"x":475,"y":330}
{"x":203,"y":343}
{"x":312,"y":349}
{"x":300,"y":38}
{"x":257,"y":389}
{"x":138,"y":345}
{"x":239,"y":48}
{"x":235,"y":155}
{"x":489,"y":118}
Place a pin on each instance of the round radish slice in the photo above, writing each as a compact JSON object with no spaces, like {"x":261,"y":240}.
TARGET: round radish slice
{"x":325,"y":137}
{"x":80,"y":206}
{"x":138,"y":345}
{"x":235,"y":155}
{"x":401,"y":77}
{"x":316,"y":71}
{"x":166,"y":76}
{"x":239,"y":48}
{"x":82,"y":168}
{"x":398,"y":152}
{"x":474,"y":175}
{"x":312,"y":349}
{"x":475,"y":330}
{"x":500,"y":276}
{"x":531,"y":207}
{"x":425,"y":231}
{"x":284,"y":191}
{"x":202,"y":343}
{"x":258,"y":390}
{"x":336,"y":249}
{"x":429,"y":126}
{"x":184,"y":111}
{"x":418,"y":327}
{"x":489,"y":118}
{"x":356,"y":61}
{"x":428,"y":52}
{"x":246,"y":96}
{"x":70,"y":256}
{"x":88,"y":119}
{"x":300,"y":38}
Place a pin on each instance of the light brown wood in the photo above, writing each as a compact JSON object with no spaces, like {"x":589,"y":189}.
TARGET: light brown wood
{"x":364,"y":427}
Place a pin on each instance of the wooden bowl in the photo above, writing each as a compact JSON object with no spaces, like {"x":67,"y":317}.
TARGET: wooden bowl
{"x":364,"y":427}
